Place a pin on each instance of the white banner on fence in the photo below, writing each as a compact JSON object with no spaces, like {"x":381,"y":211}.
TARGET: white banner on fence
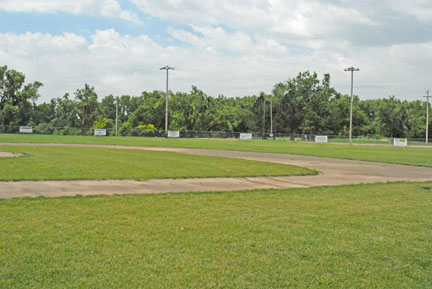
{"x":26,"y":129}
{"x":400,"y":142}
{"x":321,"y":138}
{"x":245,"y":136}
{"x":99,"y":131}
{"x":173,"y":133}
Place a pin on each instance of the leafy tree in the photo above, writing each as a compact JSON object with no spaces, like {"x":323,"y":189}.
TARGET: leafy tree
{"x":15,"y":105}
{"x":107,"y":107}
{"x":150,"y":110}
{"x":65,"y":112}
{"x":86,"y":106}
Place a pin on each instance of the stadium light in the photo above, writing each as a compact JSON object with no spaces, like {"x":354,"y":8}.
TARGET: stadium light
{"x":427,"y":115}
{"x":167,"y":68}
{"x":352,"y":69}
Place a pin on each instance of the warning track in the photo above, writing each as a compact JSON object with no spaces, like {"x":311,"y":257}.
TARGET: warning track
{"x":332,"y":172}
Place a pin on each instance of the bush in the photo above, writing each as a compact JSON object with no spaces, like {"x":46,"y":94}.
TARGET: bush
{"x":101,"y":122}
{"x":145,"y":130}
{"x":126,"y":129}
{"x":67,"y":131}
{"x":43,"y":128}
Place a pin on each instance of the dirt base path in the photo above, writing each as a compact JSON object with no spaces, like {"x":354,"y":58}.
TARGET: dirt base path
{"x":333,"y":172}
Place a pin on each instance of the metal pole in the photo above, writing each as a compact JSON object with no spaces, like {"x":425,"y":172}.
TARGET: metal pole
{"x":167,"y":68}
{"x":351,"y":107}
{"x":427,"y":116}
{"x":264,"y":116}
{"x":166,"y":103}
{"x":116,"y":120}
{"x":352,"y":69}
{"x":271,"y":115}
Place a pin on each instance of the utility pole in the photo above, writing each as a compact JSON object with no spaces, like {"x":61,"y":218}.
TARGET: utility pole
{"x":167,"y":68}
{"x":427,"y":115}
{"x":352,"y":69}
{"x":116,"y":120}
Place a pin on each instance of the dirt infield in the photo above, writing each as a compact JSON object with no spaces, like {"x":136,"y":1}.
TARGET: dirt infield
{"x":332,"y":172}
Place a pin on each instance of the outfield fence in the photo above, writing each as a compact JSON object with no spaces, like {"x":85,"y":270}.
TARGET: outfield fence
{"x":48,"y":130}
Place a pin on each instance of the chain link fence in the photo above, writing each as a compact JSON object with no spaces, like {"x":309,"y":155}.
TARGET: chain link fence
{"x":48,"y":130}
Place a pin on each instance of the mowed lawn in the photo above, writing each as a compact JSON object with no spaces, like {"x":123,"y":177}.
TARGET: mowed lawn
{"x":388,"y":154}
{"x":364,"y":236}
{"x":72,"y":163}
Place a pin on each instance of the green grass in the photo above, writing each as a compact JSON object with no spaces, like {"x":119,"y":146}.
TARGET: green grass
{"x":70,"y":163}
{"x":365,"y":236}
{"x":382,"y":141}
{"x":398,"y":155}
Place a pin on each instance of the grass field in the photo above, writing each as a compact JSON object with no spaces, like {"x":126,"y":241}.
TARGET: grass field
{"x":68,"y":163}
{"x":398,"y":155}
{"x":365,"y":236}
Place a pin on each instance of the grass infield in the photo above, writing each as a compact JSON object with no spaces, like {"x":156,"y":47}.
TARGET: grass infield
{"x":364,"y":236}
{"x":388,"y":154}
{"x":69,"y":163}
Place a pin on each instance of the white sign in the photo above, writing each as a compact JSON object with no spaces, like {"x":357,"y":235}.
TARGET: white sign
{"x":26,"y":129}
{"x":403,"y":142}
{"x":173,"y":133}
{"x":321,"y":138}
{"x":100,"y":131}
{"x":245,"y":136}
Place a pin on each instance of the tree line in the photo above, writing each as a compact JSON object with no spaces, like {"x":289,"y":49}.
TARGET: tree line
{"x":300,"y":105}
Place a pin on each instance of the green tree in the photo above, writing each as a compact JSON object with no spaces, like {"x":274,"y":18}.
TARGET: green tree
{"x":16,"y":101}
{"x":65,"y":112}
{"x":86,"y":106}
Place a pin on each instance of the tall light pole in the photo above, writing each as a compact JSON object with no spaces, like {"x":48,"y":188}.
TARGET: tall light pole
{"x":427,"y":115}
{"x":352,"y":69}
{"x":271,"y":115}
{"x":116,"y":120}
{"x":167,"y":68}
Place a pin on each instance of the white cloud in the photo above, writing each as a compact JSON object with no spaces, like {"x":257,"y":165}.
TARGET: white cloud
{"x":419,"y":9}
{"x":213,"y":37}
{"x":233,"y":47}
{"x":103,"y":8}
{"x":129,"y":65}
{"x":286,"y":18}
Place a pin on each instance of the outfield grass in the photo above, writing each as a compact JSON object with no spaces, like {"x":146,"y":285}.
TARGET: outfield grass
{"x":398,"y":155}
{"x":70,"y":163}
{"x":364,"y":236}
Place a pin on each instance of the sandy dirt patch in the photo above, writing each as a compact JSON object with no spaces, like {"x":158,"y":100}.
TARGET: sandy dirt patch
{"x":9,"y":155}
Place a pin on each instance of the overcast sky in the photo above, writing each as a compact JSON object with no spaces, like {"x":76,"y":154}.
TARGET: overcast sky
{"x":229,"y":47}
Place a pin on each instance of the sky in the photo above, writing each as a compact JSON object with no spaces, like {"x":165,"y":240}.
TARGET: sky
{"x":226,"y":47}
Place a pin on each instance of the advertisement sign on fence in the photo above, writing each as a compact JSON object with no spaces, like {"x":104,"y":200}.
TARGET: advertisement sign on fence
{"x":26,"y":129}
{"x":321,"y":138}
{"x":99,"y":131}
{"x":173,"y":133}
{"x":245,"y":136}
{"x":400,"y":142}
